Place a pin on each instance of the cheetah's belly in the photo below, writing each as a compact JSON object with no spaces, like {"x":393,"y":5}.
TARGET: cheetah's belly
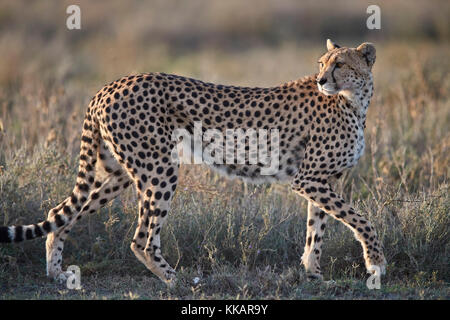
{"x":283,"y":170}
{"x":278,"y":167}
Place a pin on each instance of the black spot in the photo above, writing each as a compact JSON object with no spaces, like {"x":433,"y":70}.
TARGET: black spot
{"x":67,"y":210}
{"x":58,"y":220}
{"x":37,"y":231}
{"x":4,"y":234}
{"x":29,"y":234}
{"x":83,"y":187}
{"x":18,"y":234}
{"x":47,"y":226}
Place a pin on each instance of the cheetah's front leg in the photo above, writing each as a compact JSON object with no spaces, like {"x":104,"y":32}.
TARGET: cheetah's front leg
{"x":321,"y":195}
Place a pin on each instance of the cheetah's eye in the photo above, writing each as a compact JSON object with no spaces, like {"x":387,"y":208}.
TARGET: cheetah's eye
{"x":339,"y":64}
{"x":321,"y":64}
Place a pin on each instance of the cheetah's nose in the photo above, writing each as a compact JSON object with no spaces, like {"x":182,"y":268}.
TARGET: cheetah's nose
{"x":322,"y":81}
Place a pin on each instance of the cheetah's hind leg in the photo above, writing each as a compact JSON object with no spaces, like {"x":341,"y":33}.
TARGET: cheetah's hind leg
{"x":154,"y":204}
{"x":100,"y":180}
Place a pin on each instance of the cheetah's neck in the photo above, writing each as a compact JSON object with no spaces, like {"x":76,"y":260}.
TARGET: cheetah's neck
{"x":360,"y":99}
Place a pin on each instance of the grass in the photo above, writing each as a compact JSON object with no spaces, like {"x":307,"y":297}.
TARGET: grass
{"x":241,"y":241}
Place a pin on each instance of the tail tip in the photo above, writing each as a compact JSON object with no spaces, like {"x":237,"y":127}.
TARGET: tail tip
{"x":4,"y":234}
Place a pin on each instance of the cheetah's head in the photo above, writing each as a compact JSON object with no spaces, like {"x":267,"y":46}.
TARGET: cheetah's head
{"x":345,"y":69}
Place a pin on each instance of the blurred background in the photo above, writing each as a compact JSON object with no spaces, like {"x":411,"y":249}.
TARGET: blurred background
{"x":254,"y":43}
{"x":48,"y":74}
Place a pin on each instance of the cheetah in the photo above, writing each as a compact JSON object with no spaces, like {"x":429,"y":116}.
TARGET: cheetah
{"x":127,"y":139}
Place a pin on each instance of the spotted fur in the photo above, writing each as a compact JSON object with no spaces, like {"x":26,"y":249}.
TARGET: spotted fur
{"x":127,"y":140}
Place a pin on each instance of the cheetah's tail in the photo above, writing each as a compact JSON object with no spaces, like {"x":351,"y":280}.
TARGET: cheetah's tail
{"x":61,"y":214}
{"x":28,"y":232}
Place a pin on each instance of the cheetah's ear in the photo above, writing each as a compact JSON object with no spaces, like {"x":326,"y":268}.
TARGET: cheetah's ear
{"x":331,"y":45}
{"x":368,"y":51}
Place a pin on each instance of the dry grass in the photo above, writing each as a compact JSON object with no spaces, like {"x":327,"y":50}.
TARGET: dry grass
{"x":254,"y":235}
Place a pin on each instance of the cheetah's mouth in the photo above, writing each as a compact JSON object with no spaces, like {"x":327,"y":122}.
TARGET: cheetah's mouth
{"x":328,"y":89}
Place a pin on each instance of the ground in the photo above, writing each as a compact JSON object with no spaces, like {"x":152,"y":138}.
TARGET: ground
{"x":224,"y":284}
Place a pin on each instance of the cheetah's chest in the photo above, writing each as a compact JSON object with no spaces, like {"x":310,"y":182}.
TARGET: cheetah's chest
{"x":358,"y":147}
